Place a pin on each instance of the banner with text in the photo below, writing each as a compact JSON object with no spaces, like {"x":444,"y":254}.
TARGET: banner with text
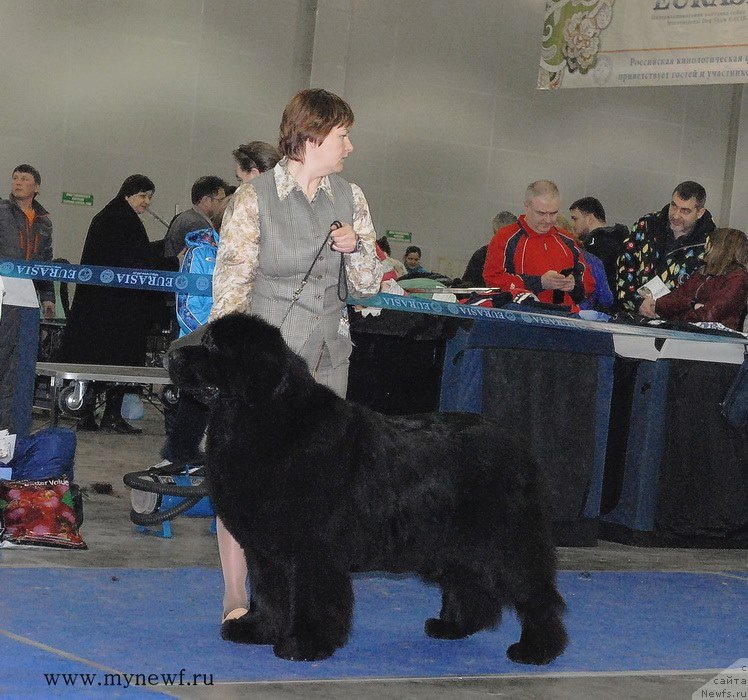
{"x":604,"y":43}
{"x":122,"y":277}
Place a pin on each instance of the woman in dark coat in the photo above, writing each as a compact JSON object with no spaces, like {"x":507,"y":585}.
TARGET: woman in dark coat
{"x":716,"y":292}
{"x":108,"y":325}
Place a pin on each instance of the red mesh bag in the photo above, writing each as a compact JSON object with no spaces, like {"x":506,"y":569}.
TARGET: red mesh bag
{"x":39,"y":513}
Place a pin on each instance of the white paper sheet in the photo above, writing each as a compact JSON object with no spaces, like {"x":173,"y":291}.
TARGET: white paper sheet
{"x":655,"y":288}
{"x":20,"y":292}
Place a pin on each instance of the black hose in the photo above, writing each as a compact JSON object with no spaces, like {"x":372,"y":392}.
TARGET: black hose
{"x":176,"y":468}
{"x":139,"y":481}
{"x":163,"y":515}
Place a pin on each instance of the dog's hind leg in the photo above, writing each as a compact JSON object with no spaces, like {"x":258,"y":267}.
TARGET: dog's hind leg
{"x":543,"y":633}
{"x":268,"y":608}
{"x":321,"y":613}
{"x":469,"y":604}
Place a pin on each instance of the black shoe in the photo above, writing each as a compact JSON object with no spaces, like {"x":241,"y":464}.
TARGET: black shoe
{"x":115,"y":424}
{"x":87,"y":423}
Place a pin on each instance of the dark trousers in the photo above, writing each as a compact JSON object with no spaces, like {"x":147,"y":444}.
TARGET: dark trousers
{"x":112,"y":404}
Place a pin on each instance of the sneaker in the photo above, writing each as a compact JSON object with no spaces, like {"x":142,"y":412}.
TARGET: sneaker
{"x":119,"y":425}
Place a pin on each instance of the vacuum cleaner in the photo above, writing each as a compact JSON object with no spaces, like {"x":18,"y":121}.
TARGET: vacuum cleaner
{"x":161,"y":493}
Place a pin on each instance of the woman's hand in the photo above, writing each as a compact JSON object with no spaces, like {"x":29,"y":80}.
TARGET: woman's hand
{"x":647,"y":308}
{"x":344,"y":239}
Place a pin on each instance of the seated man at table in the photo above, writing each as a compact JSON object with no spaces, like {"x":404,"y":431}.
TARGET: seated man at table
{"x":532,"y":255}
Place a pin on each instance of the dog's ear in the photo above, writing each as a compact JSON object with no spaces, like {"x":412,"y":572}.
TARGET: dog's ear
{"x":240,"y":336}
{"x":248,"y":356}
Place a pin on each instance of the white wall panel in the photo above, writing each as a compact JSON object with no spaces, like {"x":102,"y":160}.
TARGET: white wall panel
{"x":446,"y":88}
{"x":96,"y":90}
{"x":449,"y":127}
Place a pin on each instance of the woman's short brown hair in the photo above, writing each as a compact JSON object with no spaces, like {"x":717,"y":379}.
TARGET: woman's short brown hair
{"x":727,"y":246}
{"x":310,"y":116}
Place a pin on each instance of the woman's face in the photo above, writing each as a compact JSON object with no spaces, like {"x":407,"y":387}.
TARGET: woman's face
{"x":140,"y":201}
{"x":412,"y":260}
{"x":245,"y":176}
{"x":329,"y":155}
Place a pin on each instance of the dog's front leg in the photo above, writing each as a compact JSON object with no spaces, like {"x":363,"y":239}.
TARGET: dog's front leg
{"x":321,"y":597}
{"x":269,"y":608}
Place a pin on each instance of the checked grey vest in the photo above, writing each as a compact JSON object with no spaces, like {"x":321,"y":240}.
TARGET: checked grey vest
{"x":291,"y":233}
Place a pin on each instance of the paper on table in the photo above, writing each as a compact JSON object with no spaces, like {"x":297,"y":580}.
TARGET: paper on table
{"x":20,"y":292}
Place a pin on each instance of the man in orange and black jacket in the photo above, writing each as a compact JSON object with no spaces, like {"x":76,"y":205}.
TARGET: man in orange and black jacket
{"x":25,"y":235}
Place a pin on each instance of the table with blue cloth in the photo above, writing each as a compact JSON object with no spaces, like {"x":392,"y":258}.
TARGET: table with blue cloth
{"x":626,"y":427}
{"x":624,"y":421}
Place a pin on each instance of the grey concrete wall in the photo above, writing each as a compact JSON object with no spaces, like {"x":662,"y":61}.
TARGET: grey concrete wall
{"x":95,"y":90}
{"x":449,"y":126}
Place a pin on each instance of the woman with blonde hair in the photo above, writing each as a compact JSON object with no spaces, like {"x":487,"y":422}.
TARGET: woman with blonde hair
{"x":717,"y":292}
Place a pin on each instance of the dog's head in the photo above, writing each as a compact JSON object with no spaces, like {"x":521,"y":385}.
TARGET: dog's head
{"x":238,"y":355}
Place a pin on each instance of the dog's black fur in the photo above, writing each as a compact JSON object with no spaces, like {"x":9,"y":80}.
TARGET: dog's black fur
{"x":314,"y":487}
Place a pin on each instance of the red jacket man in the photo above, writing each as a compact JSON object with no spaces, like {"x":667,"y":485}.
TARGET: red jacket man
{"x":533,"y":255}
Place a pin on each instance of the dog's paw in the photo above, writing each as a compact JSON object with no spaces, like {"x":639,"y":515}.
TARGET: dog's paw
{"x":295,"y":649}
{"x":527,"y":654}
{"x":247,"y":629}
{"x":439,"y":629}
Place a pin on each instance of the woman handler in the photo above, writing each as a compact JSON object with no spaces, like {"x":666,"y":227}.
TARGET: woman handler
{"x":271,"y":235}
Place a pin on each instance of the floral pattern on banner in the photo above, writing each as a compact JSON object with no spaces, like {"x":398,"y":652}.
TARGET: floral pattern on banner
{"x":571,"y":38}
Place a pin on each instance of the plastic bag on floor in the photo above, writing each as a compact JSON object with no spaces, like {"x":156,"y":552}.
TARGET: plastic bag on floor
{"x":46,"y":454}
{"x":40,"y":513}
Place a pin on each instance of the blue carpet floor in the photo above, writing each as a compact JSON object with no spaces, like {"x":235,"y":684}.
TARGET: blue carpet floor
{"x":161,"y":621}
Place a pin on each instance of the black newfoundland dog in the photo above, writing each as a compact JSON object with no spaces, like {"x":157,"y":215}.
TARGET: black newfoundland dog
{"x":314,"y":487}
